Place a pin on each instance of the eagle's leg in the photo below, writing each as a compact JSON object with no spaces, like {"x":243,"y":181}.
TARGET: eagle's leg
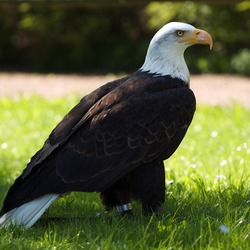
{"x":118,"y":195}
{"x":148,"y":186}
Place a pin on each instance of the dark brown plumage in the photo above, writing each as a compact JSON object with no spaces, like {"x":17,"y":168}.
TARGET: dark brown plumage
{"x":126,"y":124}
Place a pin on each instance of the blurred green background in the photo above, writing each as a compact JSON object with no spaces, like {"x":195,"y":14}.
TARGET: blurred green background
{"x":94,"y":37}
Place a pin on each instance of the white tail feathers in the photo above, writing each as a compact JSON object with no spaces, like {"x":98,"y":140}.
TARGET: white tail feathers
{"x":27,"y":214}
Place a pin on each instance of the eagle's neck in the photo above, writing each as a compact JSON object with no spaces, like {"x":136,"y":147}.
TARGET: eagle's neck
{"x":167,"y":61}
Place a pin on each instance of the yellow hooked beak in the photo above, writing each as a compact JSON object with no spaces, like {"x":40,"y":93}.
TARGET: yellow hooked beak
{"x":198,"y":37}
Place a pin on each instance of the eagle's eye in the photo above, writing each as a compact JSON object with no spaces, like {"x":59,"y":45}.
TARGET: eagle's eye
{"x":179,"y":33}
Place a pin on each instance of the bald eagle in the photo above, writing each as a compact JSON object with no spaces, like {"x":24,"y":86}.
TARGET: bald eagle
{"x":114,"y":141}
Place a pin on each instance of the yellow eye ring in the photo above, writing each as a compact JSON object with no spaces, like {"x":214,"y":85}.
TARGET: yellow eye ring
{"x":179,"y":33}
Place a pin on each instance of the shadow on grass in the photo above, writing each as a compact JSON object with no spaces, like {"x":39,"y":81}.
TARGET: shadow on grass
{"x":182,"y":204}
{"x":191,"y":219}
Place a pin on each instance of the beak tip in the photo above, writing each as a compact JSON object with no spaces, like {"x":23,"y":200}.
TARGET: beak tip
{"x":205,"y":38}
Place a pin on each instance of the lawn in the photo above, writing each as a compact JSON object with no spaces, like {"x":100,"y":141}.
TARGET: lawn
{"x":207,"y":197}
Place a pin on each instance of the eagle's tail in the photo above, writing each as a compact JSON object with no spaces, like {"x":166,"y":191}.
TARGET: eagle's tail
{"x":27,"y":214}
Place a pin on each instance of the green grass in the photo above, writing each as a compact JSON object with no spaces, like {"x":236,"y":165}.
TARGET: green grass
{"x":207,"y":186}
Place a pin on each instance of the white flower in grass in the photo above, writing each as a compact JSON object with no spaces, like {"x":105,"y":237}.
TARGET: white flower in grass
{"x":223,"y":163}
{"x":214,"y":134}
{"x":224,"y":229}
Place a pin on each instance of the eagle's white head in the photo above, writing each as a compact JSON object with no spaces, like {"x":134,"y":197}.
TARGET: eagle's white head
{"x":165,"y":55}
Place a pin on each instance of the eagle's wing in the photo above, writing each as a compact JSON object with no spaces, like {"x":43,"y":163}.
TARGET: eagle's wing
{"x":123,"y":131}
{"x":127,"y":127}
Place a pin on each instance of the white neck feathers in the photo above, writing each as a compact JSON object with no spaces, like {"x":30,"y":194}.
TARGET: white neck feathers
{"x":166,"y":61}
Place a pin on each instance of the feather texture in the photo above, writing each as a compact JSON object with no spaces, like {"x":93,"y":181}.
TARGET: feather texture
{"x":27,"y":214}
